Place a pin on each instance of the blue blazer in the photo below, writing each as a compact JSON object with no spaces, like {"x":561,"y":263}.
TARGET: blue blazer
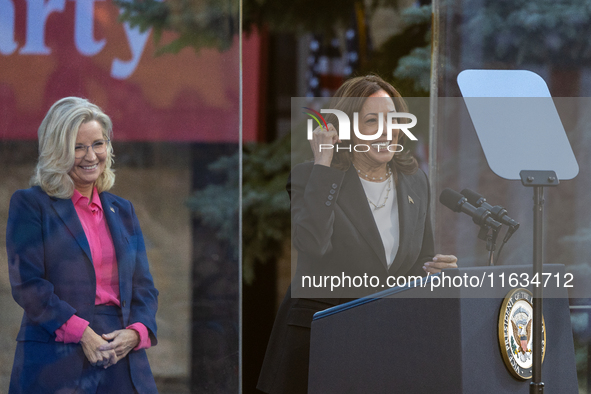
{"x":53,"y":278}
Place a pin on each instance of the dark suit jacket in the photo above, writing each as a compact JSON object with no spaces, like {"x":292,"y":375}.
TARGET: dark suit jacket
{"x":334,"y":232}
{"x":52,"y":277}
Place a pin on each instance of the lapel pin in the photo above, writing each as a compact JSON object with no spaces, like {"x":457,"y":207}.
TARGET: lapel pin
{"x":113,"y":210}
{"x":410,"y":200}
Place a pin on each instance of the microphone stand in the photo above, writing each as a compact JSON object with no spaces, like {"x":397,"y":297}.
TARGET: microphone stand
{"x":491,"y":241}
{"x":537,"y":180}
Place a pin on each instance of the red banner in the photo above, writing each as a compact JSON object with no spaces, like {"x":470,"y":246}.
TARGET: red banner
{"x":51,"y":49}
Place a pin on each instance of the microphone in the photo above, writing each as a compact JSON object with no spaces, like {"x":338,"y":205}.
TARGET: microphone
{"x":458,"y":203}
{"x":498,"y":213}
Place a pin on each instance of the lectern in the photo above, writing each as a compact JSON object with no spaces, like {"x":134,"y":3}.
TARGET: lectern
{"x":437,"y":339}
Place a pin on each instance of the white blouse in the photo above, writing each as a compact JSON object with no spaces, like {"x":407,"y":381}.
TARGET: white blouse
{"x":386,"y":217}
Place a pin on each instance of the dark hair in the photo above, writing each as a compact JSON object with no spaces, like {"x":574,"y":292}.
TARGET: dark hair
{"x":350,"y":98}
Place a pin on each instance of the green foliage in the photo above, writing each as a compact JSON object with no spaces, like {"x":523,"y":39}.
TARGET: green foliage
{"x":213,"y":23}
{"x":144,"y":14}
{"x":416,"y":67}
{"x":406,"y":57}
{"x":414,"y":16}
{"x":524,"y":31}
{"x":198,"y":23}
{"x":265,"y":203}
{"x":307,"y":16}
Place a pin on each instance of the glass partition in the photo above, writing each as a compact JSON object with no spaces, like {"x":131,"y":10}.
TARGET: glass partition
{"x":550,"y":39}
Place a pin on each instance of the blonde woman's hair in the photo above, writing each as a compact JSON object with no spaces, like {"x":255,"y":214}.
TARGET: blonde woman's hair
{"x":57,"y":141}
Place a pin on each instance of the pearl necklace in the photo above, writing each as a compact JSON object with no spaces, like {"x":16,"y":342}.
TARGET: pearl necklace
{"x":388,"y":173}
{"x":389,"y":187}
{"x":375,"y":206}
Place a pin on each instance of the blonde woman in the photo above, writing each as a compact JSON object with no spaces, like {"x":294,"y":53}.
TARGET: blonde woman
{"x":78,"y":266}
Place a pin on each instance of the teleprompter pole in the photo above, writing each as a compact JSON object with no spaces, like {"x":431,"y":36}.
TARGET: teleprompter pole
{"x":537,"y":386}
{"x":537,"y":180}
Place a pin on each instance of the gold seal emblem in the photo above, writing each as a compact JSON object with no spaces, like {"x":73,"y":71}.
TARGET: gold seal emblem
{"x":515,"y":333}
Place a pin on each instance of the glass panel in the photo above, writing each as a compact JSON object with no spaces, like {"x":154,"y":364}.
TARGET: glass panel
{"x":548,"y":38}
{"x":172,"y":90}
{"x":467,"y":40}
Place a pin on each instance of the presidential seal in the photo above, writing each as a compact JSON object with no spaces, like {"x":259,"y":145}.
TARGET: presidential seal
{"x":515,"y":333}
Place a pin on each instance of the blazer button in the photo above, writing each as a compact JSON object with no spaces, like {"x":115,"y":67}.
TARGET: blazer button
{"x":330,"y":197}
{"x":327,"y":203}
{"x":123,"y":303}
{"x":334,"y":185}
{"x":332,"y":191}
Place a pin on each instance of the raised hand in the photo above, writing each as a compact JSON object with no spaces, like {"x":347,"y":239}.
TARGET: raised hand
{"x":324,"y":137}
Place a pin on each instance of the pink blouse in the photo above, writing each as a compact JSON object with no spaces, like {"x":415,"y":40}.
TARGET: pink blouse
{"x":105,"y":267}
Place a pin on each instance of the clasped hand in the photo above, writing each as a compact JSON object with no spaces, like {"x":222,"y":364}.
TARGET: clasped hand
{"x":107,"y":349}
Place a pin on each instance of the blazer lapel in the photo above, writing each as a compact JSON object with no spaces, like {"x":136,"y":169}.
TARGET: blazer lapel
{"x":66,"y":211}
{"x":353,"y":202}
{"x":408,"y":211}
{"x":111,"y":212}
